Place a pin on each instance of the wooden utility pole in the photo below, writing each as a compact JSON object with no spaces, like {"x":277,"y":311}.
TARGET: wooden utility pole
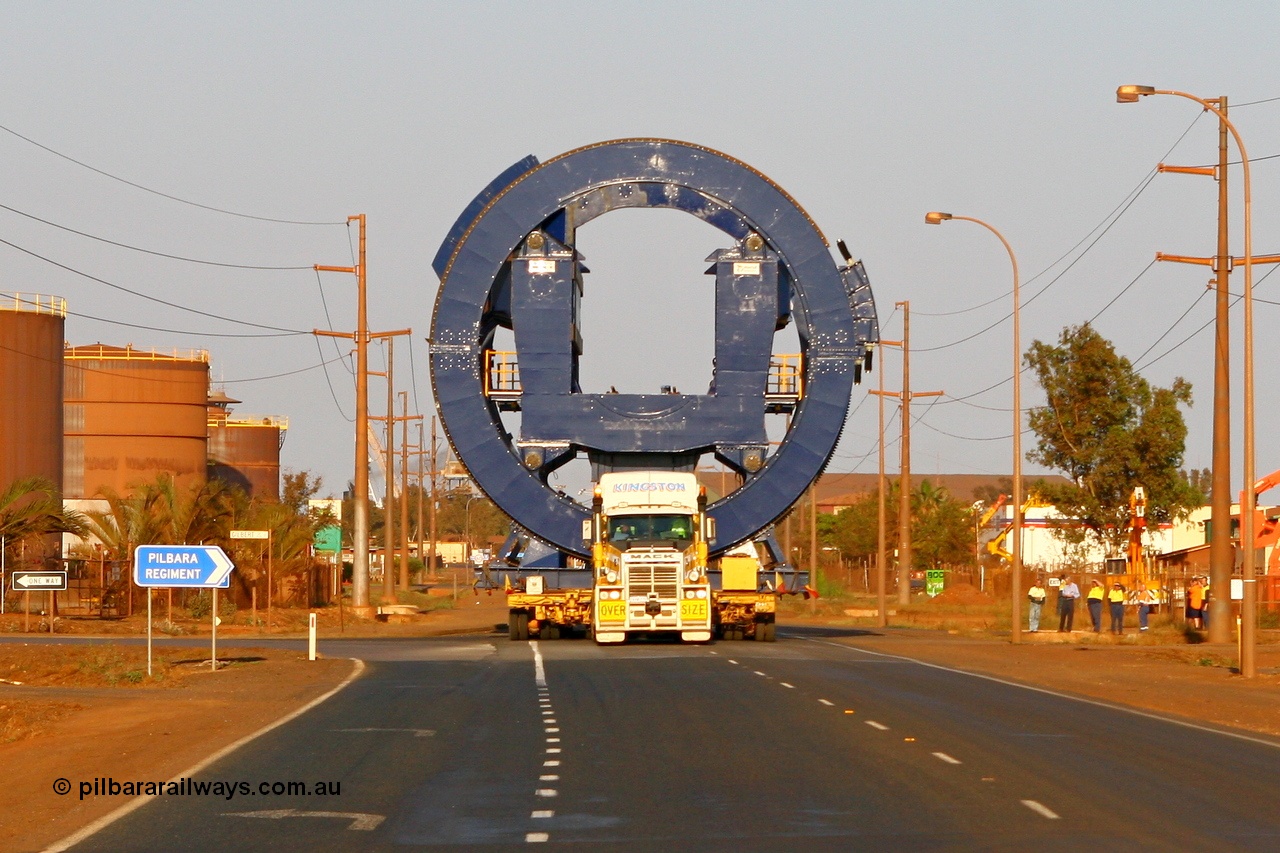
{"x":431,"y":547}
{"x":1221,"y":553}
{"x":389,"y":496}
{"x":882,"y":612}
{"x":360,"y":510}
{"x":404,"y":487}
{"x":422,"y":452}
{"x":904,"y":479}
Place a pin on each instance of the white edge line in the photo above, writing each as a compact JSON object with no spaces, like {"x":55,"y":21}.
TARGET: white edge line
{"x":138,"y":802}
{"x":1040,"y":809}
{"x":784,"y":684}
{"x":539,"y":673}
{"x":1096,"y":702}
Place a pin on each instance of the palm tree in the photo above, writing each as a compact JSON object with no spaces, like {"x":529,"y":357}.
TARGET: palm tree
{"x":31,"y":506}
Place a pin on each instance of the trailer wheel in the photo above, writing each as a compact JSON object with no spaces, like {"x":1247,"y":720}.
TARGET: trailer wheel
{"x":550,"y":631}
{"x":767,"y":632}
{"x":518,"y":625}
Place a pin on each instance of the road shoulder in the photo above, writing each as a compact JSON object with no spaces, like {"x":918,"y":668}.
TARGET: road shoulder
{"x":143,"y":735}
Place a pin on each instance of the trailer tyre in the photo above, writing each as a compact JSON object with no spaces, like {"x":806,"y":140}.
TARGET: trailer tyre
{"x":550,"y":632}
{"x":767,"y":631}
{"x":518,"y":625}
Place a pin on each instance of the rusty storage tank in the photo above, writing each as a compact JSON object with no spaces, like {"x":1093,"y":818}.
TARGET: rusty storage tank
{"x":31,"y":327}
{"x":244,"y":450}
{"x":130,"y":415}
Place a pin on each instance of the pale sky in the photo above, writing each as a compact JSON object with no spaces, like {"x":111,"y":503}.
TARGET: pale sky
{"x":868,"y":114}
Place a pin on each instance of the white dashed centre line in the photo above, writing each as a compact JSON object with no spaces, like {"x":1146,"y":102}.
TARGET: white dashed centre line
{"x":553,"y":750}
{"x":548,"y":777}
{"x":788,"y":686}
{"x":942,"y":756}
{"x":546,"y":792}
{"x":825,"y":702}
{"x":536,"y":837}
{"x":1042,"y":810}
{"x":553,"y":740}
{"x":553,"y":762}
{"x":552,"y":730}
{"x":758,"y":672}
{"x":876,"y":725}
{"x":541,"y":814}
{"x":734,"y":662}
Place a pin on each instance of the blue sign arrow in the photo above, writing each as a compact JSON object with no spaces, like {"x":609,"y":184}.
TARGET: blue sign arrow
{"x":181,"y":565}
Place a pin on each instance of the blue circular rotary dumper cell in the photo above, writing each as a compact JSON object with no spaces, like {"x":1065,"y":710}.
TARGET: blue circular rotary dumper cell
{"x":832,"y":308}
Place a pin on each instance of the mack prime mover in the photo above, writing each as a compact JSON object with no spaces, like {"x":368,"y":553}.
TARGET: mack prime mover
{"x":650,"y":533}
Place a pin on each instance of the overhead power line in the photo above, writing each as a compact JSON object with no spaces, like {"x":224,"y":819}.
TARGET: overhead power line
{"x":145,"y":251}
{"x":147,"y":189}
{"x":141,"y":295}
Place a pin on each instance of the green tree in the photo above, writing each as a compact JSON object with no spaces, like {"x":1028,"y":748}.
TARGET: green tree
{"x":941,"y":531}
{"x":1108,"y":430}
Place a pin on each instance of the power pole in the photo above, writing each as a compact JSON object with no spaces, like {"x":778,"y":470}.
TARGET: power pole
{"x":422,"y":453}
{"x":904,"y":478}
{"x":882,"y":612}
{"x":388,"y":501}
{"x":431,"y":548}
{"x":360,"y":510}
{"x":813,"y":541}
{"x":404,"y":486}
{"x":1221,"y":551}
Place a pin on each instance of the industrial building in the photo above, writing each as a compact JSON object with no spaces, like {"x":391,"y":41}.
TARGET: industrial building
{"x":32,"y":328}
{"x":244,"y":450}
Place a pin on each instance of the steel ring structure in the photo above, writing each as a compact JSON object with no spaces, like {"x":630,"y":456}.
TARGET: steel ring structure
{"x":510,"y":262}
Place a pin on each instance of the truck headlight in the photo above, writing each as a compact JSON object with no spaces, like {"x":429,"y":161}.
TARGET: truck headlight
{"x":692,"y":575}
{"x":702,"y":593}
{"x":611,"y":575}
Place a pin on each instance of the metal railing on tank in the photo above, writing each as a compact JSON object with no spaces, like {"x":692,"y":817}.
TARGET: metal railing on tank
{"x":34,"y":303}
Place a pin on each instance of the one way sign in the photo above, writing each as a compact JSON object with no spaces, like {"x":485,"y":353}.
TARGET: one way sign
{"x":44,"y":581}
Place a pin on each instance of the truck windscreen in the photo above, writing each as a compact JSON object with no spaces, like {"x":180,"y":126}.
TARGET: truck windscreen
{"x":637,"y":528}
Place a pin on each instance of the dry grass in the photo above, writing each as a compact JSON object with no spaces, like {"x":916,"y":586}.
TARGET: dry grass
{"x":23,"y":718}
{"x":88,"y":666}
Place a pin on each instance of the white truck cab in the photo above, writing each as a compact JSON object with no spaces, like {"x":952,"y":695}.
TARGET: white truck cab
{"x":650,"y":533}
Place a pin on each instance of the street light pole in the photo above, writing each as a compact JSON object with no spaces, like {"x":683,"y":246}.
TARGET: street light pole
{"x":936,"y":218}
{"x":1249,"y":605}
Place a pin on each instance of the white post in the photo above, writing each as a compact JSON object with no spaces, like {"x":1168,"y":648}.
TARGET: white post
{"x":213,"y":647}
{"x":311,"y":641}
{"x":148,"y":632}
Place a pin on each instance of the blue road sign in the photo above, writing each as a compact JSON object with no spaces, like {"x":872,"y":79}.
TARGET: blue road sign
{"x":181,"y":565}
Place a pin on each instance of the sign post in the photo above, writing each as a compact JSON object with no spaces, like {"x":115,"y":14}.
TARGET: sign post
{"x":50,"y":582}
{"x":188,"y":566}
{"x":260,"y":535}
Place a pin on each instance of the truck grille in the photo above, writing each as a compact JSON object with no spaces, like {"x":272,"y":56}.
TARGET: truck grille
{"x":652,"y":573}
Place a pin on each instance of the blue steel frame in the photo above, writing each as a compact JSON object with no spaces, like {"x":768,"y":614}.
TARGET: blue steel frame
{"x":510,"y":261}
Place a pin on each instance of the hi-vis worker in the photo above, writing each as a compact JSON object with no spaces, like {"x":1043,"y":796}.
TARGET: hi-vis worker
{"x":1115,"y":599}
{"x":1094,"y":602}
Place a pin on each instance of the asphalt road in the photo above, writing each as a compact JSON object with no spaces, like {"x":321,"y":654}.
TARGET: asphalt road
{"x":806,"y":744}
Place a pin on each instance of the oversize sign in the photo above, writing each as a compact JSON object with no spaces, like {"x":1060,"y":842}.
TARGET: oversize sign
{"x":33,"y":581}
{"x":181,"y":565}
